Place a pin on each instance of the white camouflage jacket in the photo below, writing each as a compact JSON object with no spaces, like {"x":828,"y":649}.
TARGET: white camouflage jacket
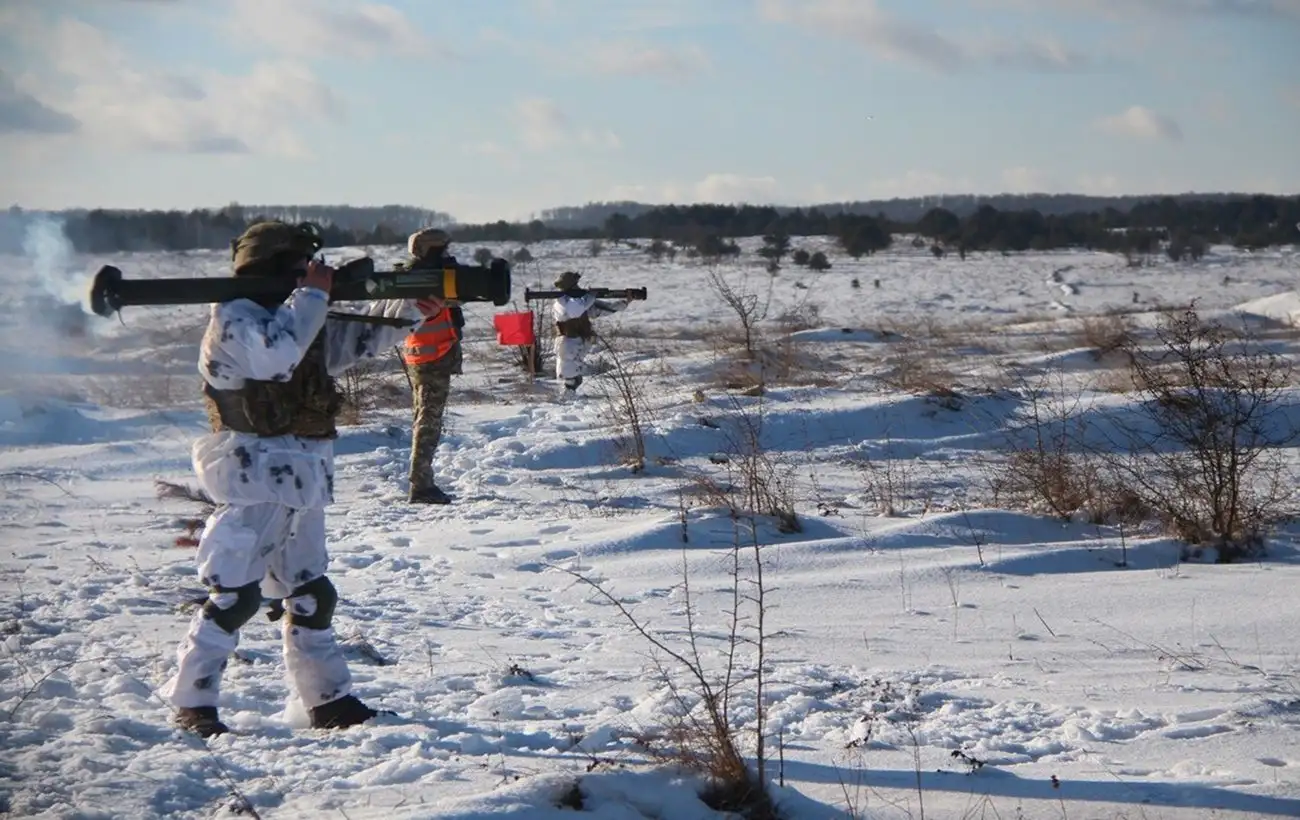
{"x":570,"y":352}
{"x":245,"y":340}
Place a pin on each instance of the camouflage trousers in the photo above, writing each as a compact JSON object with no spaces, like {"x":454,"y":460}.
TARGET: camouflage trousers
{"x":431,"y":384}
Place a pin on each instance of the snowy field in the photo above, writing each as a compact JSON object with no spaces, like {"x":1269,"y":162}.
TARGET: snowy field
{"x":928,"y":654}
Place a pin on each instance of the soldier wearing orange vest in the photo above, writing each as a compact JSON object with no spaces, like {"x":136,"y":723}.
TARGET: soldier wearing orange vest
{"x":431,"y":355}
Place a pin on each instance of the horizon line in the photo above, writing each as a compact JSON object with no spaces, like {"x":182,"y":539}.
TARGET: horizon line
{"x":650,"y":205}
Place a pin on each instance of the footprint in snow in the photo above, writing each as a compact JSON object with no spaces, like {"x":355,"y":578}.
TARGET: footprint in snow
{"x":559,"y":555}
{"x":1197,"y":715}
{"x":1187,"y":732}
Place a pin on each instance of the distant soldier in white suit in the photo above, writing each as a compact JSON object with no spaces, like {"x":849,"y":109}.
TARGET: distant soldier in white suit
{"x":573,"y":312}
{"x":268,"y":463}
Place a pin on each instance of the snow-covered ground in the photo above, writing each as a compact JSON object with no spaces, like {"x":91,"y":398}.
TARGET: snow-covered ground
{"x":897,"y":644}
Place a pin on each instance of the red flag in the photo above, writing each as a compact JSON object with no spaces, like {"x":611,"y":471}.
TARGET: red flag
{"x":514,"y":328}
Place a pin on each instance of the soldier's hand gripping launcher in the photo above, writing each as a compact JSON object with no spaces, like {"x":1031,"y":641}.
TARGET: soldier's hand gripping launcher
{"x":355,"y":281}
{"x":630,"y":294}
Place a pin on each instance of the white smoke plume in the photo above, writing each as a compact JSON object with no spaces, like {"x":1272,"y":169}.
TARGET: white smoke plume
{"x":45,"y":326}
{"x":51,"y":255}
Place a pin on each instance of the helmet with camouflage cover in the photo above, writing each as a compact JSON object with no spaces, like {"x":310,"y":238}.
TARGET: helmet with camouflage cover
{"x":427,"y":242}
{"x":568,"y":280}
{"x":264,"y":241}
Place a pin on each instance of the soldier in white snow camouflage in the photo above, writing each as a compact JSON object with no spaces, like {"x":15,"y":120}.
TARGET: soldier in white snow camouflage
{"x":574,"y":334}
{"x":268,"y":371}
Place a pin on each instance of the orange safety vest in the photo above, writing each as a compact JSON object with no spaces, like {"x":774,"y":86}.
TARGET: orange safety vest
{"x":431,"y":340}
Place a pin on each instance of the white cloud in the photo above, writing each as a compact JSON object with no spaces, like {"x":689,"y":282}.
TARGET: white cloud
{"x":542,"y":126}
{"x":715,"y":188}
{"x":499,"y":155}
{"x":21,"y":113}
{"x":605,"y":139}
{"x":636,"y":59}
{"x":736,"y":188}
{"x":629,"y":16}
{"x":606,"y":57}
{"x":122,"y":102}
{"x":1025,"y":180}
{"x":916,"y":183}
{"x":1101,"y":185}
{"x":1141,"y":122}
{"x":315,"y":29}
{"x":1117,"y":9}
{"x":896,"y":39}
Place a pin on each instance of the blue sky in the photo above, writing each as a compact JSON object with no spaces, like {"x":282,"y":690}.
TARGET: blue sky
{"x":499,"y":108}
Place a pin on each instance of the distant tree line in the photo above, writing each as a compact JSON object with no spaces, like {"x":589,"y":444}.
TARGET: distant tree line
{"x":113,"y":231}
{"x":1182,"y":226}
{"x":901,"y":210}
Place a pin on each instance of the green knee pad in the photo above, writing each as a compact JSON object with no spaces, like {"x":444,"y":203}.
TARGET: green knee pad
{"x":248,"y":600}
{"x":325,"y":596}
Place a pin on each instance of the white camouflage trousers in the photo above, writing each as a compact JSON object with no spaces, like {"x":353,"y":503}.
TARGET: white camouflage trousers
{"x":570,"y":356}
{"x":283,"y":548}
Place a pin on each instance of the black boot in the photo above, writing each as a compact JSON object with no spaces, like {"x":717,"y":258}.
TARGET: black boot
{"x":429,"y":495}
{"x":342,"y":713}
{"x":201,"y":720}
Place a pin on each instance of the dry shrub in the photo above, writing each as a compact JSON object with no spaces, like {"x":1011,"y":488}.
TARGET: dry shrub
{"x":706,"y":678}
{"x":803,"y":316}
{"x":890,"y":483}
{"x":749,"y":306}
{"x":1207,"y":456}
{"x":372,"y":384}
{"x":745,"y":479}
{"x":741,"y":376}
{"x":1118,"y":381}
{"x":1046,"y":466}
{"x":914,"y":367}
{"x":626,"y":403}
{"x":1107,"y":335}
{"x":1203,"y":456}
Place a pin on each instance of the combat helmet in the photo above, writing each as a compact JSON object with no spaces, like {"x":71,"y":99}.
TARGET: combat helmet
{"x":568,"y":280}
{"x":263,"y":242}
{"x":427,"y":242}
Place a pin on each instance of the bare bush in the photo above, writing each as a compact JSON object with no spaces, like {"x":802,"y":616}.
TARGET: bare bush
{"x":915,"y":367}
{"x":626,"y":402}
{"x":750,"y":308}
{"x":888,"y":483}
{"x":1205,"y":454}
{"x":748,"y":479}
{"x":1047,"y":466}
{"x":805,"y":315}
{"x":709,"y":686}
{"x":702,"y":732}
{"x":1107,"y":334}
{"x":371,"y":384}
